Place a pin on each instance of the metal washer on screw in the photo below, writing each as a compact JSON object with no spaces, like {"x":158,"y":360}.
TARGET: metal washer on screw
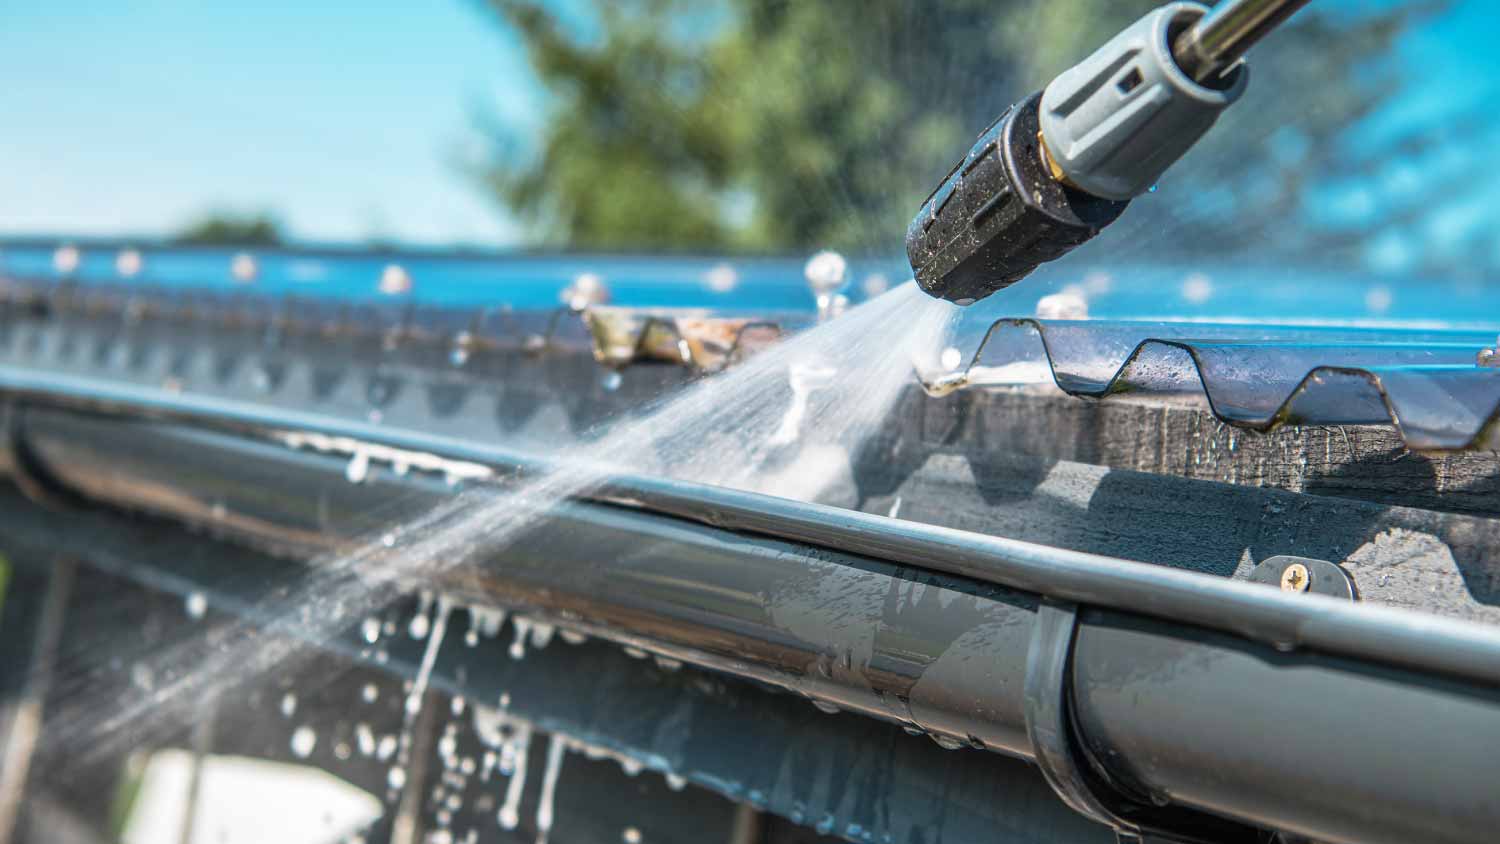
{"x":1305,"y":574}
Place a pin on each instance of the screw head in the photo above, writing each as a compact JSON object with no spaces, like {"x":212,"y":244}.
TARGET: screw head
{"x":1295,"y":578}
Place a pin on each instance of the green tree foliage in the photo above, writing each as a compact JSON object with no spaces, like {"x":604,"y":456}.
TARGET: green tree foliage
{"x":785,"y":125}
{"x":230,"y":229}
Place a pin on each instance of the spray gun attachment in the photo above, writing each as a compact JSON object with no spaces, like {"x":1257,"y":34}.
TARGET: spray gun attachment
{"x":1058,"y":167}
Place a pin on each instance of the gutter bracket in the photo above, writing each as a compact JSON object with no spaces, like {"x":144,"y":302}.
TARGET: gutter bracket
{"x":1079,"y":780}
{"x":1305,"y":574}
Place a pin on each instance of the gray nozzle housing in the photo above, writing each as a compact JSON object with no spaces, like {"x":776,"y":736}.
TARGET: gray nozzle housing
{"x":1114,"y":122}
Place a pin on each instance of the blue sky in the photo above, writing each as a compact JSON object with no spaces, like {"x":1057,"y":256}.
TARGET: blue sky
{"x":345,"y":118}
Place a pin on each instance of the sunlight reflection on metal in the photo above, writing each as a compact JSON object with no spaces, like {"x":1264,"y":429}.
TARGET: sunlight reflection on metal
{"x":1426,"y":383}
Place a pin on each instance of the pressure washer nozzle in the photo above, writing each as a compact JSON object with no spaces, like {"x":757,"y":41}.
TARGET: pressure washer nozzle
{"x":1063,"y":164}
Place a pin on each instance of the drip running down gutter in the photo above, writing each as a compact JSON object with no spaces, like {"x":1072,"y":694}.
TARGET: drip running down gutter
{"x":1153,"y":699}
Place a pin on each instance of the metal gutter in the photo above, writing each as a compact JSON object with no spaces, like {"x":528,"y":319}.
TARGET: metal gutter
{"x":1135,"y":687}
{"x":746,"y":741}
{"x":1383,"y":634}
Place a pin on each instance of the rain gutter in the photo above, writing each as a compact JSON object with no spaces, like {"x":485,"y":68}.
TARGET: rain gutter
{"x":1156,"y":701}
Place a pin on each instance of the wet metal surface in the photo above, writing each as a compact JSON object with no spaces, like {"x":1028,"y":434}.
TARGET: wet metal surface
{"x":846,"y":608}
{"x":652,"y":727}
{"x":1370,"y":632}
{"x":1426,"y":383}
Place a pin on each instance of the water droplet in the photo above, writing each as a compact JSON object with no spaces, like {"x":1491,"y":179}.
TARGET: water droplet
{"x":951,"y":358}
{"x":463,"y":342}
{"x":419,"y":626}
{"x":572,"y":637}
{"x":1197,"y":288}
{"x":948,"y":742}
{"x":386,"y":747}
{"x":826,"y":707}
{"x":611,"y":380}
{"x":358,"y":468}
{"x":457,"y":706}
{"x":508,"y":817}
{"x":825,"y":825}
{"x":370,"y":629}
{"x":1152,"y":189}
{"x":541,"y":635}
{"x":303,"y":741}
{"x":196,"y":605}
{"x":396,"y":778}
{"x":288,"y":705}
{"x":635,"y":653}
{"x":364,"y":737}
{"x":388,"y":540}
{"x":676,"y":782}
{"x":518,"y":644}
{"x":631,"y":835}
{"x":668,"y":664}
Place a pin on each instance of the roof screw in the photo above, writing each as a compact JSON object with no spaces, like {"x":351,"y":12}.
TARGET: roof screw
{"x":586,"y":291}
{"x":395,"y":280}
{"x":826,"y":272}
{"x":66,"y":259}
{"x":1295,"y":578}
{"x":243,"y":268}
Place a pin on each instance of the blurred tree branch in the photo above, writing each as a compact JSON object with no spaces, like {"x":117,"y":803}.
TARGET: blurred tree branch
{"x":221,"y":228}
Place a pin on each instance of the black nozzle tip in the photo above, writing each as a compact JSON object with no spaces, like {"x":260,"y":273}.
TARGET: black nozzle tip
{"x":999,"y":214}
